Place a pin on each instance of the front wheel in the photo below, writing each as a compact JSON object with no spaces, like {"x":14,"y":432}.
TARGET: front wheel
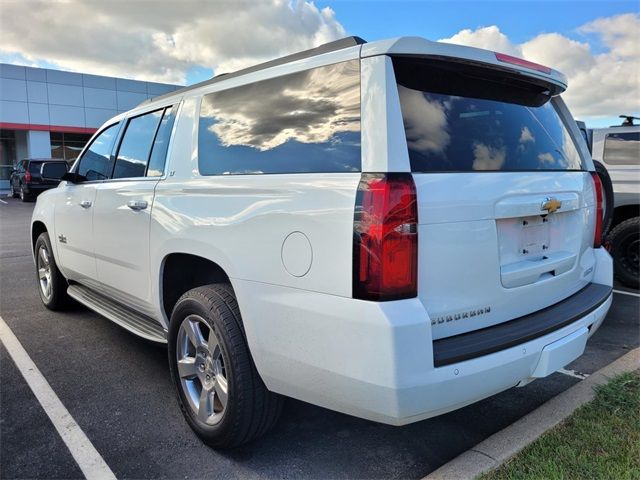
{"x":51,"y":284}
{"x":219,"y":390}
{"x":625,"y":250}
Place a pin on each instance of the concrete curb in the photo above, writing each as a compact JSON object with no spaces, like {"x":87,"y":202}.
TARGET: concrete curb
{"x":501,"y":446}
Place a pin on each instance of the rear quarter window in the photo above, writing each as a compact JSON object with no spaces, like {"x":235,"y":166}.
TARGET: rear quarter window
{"x":462,"y":127}
{"x":34,"y":167}
{"x":622,"y":148}
{"x":305,"y":122}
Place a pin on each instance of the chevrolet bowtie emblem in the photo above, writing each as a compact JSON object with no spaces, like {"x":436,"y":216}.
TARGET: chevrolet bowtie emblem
{"x":551,"y":205}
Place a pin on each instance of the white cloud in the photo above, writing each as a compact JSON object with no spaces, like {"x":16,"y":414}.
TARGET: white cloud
{"x":489,"y":38}
{"x":161,"y":40}
{"x":600,"y":84}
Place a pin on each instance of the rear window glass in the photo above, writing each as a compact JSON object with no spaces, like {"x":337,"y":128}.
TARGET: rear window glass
{"x":303,"y":122}
{"x":55,"y":169}
{"x":475,"y":124}
{"x":34,"y":167}
{"x":622,"y":148}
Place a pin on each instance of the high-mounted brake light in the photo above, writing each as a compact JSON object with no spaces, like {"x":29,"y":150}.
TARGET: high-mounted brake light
{"x":27,"y":176}
{"x":385,"y":238}
{"x":501,"y":57}
{"x":597,"y":187}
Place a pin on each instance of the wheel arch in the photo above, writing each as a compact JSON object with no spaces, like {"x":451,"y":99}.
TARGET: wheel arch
{"x":181,"y":272}
{"x":624,"y":212}
{"x":37,"y":228}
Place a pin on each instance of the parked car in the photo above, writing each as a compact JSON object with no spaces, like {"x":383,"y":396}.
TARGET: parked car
{"x":26,"y":180}
{"x":618,"y":148}
{"x":392,"y":230}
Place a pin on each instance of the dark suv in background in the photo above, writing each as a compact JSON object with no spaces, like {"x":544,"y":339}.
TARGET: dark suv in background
{"x":26,"y":180}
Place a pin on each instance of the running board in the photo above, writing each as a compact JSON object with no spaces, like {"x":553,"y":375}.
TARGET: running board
{"x":135,"y":322}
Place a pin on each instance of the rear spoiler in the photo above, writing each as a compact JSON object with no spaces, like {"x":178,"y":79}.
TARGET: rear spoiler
{"x":416,"y":46}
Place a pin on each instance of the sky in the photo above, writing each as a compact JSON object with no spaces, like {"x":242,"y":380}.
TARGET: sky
{"x":596,"y":43}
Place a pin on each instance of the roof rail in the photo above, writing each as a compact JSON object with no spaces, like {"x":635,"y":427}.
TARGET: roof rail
{"x":325,"y":48}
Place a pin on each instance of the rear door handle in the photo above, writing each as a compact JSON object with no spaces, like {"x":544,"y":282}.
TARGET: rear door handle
{"x":85,"y":203}
{"x":137,"y":204}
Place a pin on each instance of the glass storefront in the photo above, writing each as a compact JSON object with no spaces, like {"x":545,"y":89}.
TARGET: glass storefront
{"x":7,"y":153}
{"x":67,"y":146}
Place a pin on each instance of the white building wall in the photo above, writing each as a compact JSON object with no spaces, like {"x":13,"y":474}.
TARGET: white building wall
{"x":35,"y":100}
{"x":39,"y":96}
{"x":38,"y":144}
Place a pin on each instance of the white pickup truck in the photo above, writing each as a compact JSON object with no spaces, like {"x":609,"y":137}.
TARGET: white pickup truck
{"x":618,"y":149}
{"x":392,"y":230}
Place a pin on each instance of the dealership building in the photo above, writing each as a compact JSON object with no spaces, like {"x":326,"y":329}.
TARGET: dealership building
{"x":47,"y":113}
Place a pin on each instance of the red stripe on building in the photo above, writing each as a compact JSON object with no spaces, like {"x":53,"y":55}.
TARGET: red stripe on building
{"x":45,"y":128}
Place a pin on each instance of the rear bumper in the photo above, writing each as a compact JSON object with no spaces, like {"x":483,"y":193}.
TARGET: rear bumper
{"x":520,"y":330}
{"x":376,"y":360}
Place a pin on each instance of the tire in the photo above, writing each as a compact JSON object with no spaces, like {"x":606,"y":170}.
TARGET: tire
{"x":624,"y":242}
{"x":25,"y":197}
{"x":249,"y":410}
{"x":52,"y":285}
{"x":607,"y":201}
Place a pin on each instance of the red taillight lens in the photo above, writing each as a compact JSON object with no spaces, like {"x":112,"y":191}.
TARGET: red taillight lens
{"x":385,"y":245}
{"x":27,"y":176}
{"x":501,"y":57}
{"x":597,"y":187}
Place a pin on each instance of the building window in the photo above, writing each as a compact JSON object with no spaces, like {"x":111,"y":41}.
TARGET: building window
{"x":67,"y":146}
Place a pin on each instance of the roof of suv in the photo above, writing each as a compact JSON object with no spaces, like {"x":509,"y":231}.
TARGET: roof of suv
{"x":397,"y":46}
{"x":44,"y":160}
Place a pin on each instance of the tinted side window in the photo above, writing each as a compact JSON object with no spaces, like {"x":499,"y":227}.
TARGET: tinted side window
{"x":95,"y":164}
{"x":303,"y":122}
{"x":161,"y":143}
{"x":34,"y":167}
{"x":133,"y":153}
{"x":622,"y":148}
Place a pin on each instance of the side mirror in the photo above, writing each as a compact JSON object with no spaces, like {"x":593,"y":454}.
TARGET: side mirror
{"x":72,"y":177}
{"x":53,"y":171}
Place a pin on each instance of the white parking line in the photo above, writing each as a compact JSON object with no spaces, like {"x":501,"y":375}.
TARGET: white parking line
{"x":89,"y":460}
{"x":6,"y":203}
{"x":626,"y":293}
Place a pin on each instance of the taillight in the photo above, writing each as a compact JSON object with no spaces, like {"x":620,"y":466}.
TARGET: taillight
{"x":385,"y":237}
{"x":521,"y":62}
{"x":597,"y":187}
{"x":27,"y":176}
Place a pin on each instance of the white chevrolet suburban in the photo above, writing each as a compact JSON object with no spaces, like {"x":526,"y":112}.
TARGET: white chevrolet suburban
{"x":392,"y":230}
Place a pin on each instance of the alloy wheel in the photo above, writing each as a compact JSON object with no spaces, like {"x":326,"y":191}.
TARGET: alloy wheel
{"x":44,"y":272}
{"x":201,"y":367}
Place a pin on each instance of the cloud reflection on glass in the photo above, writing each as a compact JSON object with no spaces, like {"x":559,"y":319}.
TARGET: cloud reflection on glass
{"x":303,"y":122}
{"x":458,"y":133}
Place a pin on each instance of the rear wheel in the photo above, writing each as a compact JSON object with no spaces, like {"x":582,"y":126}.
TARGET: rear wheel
{"x":625,"y":250}
{"x":219,"y":390}
{"x":51,"y":284}
{"x":25,"y":197}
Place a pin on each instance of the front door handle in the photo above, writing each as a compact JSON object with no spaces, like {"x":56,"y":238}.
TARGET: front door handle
{"x":137,"y":204}
{"x":85,"y":203}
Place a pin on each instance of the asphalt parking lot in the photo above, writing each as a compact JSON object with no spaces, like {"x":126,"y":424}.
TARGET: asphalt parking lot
{"x":117,"y":388}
